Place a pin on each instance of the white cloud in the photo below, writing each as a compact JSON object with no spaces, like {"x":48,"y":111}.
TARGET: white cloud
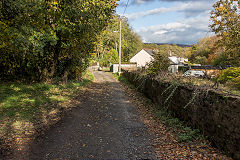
{"x":141,"y":1}
{"x":186,"y":31}
{"x":160,"y":32}
{"x":189,"y":9}
{"x":146,"y":1}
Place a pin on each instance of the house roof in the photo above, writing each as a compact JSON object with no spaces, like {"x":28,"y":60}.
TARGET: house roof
{"x":174,"y":59}
{"x":149,"y":51}
{"x":178,"y":60}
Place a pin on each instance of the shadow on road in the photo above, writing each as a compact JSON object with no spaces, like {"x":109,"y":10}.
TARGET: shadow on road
{"x":104,"y":126}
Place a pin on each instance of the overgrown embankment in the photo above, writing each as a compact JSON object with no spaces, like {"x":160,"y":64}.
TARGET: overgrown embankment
{"x":28,"y":110}
{"x":215,"y":114}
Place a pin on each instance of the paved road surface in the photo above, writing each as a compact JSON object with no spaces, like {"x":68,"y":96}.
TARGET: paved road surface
{"x":105,"y":126}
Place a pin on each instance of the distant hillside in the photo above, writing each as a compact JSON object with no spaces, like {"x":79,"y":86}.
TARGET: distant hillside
{"x":180,"y":45}
{"x":170,"y":49}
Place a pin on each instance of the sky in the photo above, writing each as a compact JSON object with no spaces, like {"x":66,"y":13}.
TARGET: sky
{"x":168,"y":21}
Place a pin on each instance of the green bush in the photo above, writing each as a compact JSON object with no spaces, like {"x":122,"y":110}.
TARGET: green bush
{"x":160,"y":64}
{"x":53,"y":38}
{"x":108,"y":58}
{"x":237,"y":82}
{"x":230,"y":75}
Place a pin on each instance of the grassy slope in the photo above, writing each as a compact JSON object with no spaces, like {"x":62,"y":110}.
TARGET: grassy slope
{"x":24,"y":108}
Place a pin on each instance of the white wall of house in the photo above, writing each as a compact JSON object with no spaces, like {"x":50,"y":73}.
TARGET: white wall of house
{"x":177,"y":60}
{"x":173,"y":68}
{"x":141,"y":58}
{"x":175,"y":63}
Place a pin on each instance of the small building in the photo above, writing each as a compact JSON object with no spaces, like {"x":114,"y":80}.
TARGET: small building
{"x":176,"y":62}
{"x":143,"y":57}
{"x":94,"y":67}
{"x":130,"y":66}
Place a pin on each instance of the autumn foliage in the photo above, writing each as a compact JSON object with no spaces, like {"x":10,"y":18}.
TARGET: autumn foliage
{"x":231,"y":75}
{"x":108,"y":45}
{"x":45,"y":39}
{"x":225,"y":19}
{"x":224,"y":48}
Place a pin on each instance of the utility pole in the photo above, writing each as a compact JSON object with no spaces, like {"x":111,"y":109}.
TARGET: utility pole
{"x":120,"y":41}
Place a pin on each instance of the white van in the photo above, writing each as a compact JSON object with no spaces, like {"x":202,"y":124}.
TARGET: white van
{"x":194,"y":73}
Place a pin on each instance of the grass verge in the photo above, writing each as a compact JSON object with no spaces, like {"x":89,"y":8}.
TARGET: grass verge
{"x":182,"y":131}
{"x":26,"y":107}
{"x":123,"y":80}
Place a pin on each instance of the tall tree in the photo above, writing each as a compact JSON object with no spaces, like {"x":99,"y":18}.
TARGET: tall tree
{"x":205,"y":51}
{"x":43,"y":39}
{"x":226,"y":24}
{"x":109,"y":40}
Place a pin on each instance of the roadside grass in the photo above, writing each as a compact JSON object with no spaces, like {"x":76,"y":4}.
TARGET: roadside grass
{"x":106,"y":69}
{"x":124,"y":80}
{"x":182,"y":132}
{"x":22,"y":106}
{"x":120,"y":77}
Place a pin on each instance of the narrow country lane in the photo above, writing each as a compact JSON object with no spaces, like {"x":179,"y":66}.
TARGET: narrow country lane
{"x":105,"y":126}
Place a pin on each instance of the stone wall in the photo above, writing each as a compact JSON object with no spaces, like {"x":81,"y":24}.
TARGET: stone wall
{"x":215,"y":114}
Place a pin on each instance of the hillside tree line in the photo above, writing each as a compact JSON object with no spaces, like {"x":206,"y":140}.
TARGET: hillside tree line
{"x":224,"y":48}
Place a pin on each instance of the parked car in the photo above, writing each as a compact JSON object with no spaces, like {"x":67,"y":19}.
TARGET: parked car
{"x":194,"y":73}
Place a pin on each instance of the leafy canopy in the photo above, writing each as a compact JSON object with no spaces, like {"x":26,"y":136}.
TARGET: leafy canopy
{"x":43,"y":39}
{"x":225,"y":18}
{"x":108,"y":44}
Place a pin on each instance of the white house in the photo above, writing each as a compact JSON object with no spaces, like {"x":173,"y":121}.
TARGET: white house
{"x":143,"y":57}
{"x":176,"y":62}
